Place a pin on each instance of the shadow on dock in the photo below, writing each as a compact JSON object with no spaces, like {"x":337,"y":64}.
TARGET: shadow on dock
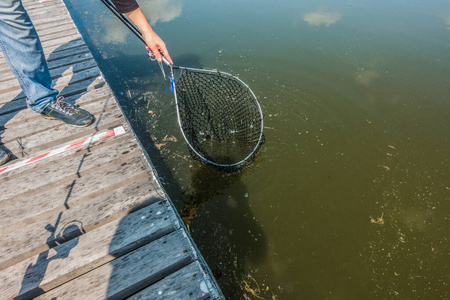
{"x":67,"y":234}
{"x":13,"y":107}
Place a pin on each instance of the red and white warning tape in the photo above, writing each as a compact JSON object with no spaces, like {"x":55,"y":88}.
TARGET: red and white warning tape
{"x":87,"y":141}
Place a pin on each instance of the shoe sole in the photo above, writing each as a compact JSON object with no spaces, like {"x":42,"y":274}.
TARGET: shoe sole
{"x":5,"y":159}
{"x":85,"y":125}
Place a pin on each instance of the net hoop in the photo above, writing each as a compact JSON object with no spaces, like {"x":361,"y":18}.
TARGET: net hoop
{"x":261,"y":135}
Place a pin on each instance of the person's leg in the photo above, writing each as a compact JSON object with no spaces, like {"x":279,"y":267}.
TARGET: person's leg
{"x":22,"y":49}
{"x":20,"y":44}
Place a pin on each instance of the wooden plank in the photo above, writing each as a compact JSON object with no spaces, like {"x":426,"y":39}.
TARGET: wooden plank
{"x":97,"y":108}
{"x":75,"y":66}
{"x":24,"y":187}
{"x":126,"y":275}
{"x":58,"y":42}
{"x":33,"y":4}
{"x":67,"y":45}
{"x":43,"y":33}
{"x":65,"y":90}
{"x":92,"y":215}
{"x":47,"y":13}
{"x":16,"y":112}
{"x":51,"y":22}
{"x":55,"y":35}
{"x":70,"y":53}
{"x":61,"y":134}
{"x":17,"y":246}
{"x":70,"y":56}
{"x":186,"y":283}
{"x":43,"y":8}
{"x":12,"y":88}
{"x":78,"y":161}
{"x":51,"y":25}
{"x":88,"y":251}
{"x":116,"y":202}
{"x":72,"y":68}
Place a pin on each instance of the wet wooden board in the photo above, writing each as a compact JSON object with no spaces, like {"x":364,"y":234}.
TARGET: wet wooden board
{"x":89,"y":222}
{"x":186,"y":283}
{"x":126,"y":275}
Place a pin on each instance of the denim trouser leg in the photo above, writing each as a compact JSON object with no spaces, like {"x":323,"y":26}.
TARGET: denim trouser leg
{"x":22,"y":49}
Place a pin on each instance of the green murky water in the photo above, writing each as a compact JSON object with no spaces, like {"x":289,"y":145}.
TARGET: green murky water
{"x":349,"y":197}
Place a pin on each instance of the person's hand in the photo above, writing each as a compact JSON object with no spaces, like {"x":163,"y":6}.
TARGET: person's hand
{"x":157,"y":46}
{"x":154,"y":43}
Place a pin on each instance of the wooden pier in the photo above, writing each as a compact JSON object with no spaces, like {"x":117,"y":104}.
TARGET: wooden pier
{"x":82,"y":214}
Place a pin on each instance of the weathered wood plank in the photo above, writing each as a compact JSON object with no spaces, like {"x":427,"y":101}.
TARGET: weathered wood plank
{"x":26,"y":187}
{"x":28,"y":116}
{"x":61,"y":82}
{"x":12,"y":88}
{"x":34,"y":4}
{"x":65,"y":90}
{"x":92,"y":215}
{"x":59,"y":42}
{"x":61,"y":134}
{"x":55,"y":35}
{"x":70,"y":54}
{"x":18,"y":246}
{"x":35,"y":9}
{"x":118,"y":200}
{"x":79,"y":152}
{"x":74,"y":65}
{"x":51,"y":22}
{"x":46,"y":32}
{"x":72,"y":68}
{"x":80,"y":255}
{"x":51,"y":25}
{"x":16,"y":112}
{"x":60,"y":47}
{"x":128,"y":274}
{"x":97,"y":108}
{"x":186,"y":283}
{"x":47,"y":13}
{"x":54,"y":60}
{"x":79,"y":161}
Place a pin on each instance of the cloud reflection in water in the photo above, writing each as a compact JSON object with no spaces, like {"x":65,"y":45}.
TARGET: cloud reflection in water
{"x":322,"y":17}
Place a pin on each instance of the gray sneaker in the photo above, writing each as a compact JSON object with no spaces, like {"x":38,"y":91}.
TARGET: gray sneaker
{"x":4,"y":156}
{"x":68,"y":113}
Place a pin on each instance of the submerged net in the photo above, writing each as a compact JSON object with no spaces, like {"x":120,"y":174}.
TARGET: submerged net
{"x":220,"y":118}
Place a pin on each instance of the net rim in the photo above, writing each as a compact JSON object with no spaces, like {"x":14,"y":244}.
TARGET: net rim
{"x":261,"y":135}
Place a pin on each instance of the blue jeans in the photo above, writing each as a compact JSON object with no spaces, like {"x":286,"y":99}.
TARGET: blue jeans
{"x":22,"y":49}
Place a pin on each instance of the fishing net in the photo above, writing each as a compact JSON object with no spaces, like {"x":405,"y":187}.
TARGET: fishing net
{"x":220,"y":117}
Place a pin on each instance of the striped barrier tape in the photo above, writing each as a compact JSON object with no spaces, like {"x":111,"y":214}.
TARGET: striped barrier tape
{"x":87,"y":141}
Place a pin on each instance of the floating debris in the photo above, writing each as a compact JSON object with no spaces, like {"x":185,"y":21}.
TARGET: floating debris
{"x":169,"y":139}
{"x":379,"y":221}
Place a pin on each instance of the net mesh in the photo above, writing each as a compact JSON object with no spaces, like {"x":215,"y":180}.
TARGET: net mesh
{"x":220,"y":118}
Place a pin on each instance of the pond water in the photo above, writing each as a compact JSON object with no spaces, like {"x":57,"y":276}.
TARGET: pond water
{"x":350,"y":196}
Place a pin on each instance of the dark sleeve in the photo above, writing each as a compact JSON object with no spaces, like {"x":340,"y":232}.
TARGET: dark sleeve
{"x":125,"y":6}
